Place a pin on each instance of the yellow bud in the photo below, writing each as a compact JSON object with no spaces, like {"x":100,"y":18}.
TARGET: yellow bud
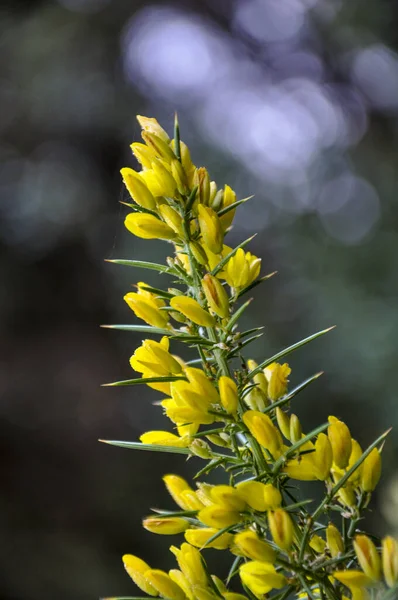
{"x":219,"y":516}
{"x":353,"y":579}
{"x":390,"y":560}
{"x":201,"y":449}
{"x":188,"y":166}
{"x":216,"y":198}
{"x":303,"y":468}
{"x":178,"y":173}
{"x":200,"y":538}
{"x":191,"y":564}
{"x":281,"y":528}
{"x":198,"y":253}
{"x":165,"y":438}
{"x":163,"y":583}
{"x":137,"y":188}
{"x":229,"y":197}
{"x":202,"y":180}
{"x":318,"y":544}
{"x":143,"y":154}
{"x":340,"y":439}
{"x":259,"y":378}
{"x":137,"y":568}
{"x":264,"y":431}
{"x":151,"y":125}
{"x":148,"y":227}
{"x":147,"y":309}
{"x":367,"y":556}
{"x":176,"y":486}
{"x":210,"y":228}
{"x":261,"y":577}
{"x":334,"y":540}
{"x":216,"y":296}
{"x":256,"y":399}
{"x":219,"y":440}
{"x":277,"y":376}
{"x":250,"y":545}
{"x":227,"y":496}
{"x":160,"y":147}
{"x":172,"y":218}
{"x":260,"y":496}
{"x":191,"y":309}
{"x":166,"y":526}
{"x":179,"y":578}
{"x":371,"y":471}
{"x":295,"y":429}
{"x":166,"y":181}
{"x":283,"y":421}
{"x":323,"y":456}
{"x":228,"y":394}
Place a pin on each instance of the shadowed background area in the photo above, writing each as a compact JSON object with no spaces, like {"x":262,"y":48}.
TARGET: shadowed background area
{"x":295,"y":102}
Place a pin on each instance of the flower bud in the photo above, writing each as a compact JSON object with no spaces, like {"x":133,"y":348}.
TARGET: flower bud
{"x":218,"y":516}
{"x":191,"y":309}
{"x":143,"y":154}
{"x":318,"y":544}
{"x":201,"y":449}
{"x":340,"y":439}
{"x":216,"y":296}
{"x":148,"y":227}
{"x":228,"y":198}
{"x":163,"y":583}
{"x":210,"y":228}
{"x":277,"y":376}
{"x":264,"y":431}
{"x":250,"y":545}
{"x":137,"y":568}
{"x":390,"y":560}
{"x":218,"y":440}
{"x":259,"y":378}
{"x":334,"y":540}
{"x":256,"y":399}
{"x":371,"y":471}
{"x":137,"y":188}
{"x":160,"y":147}
{"x":367,"y":556}
{"x":228,"y":394}
{"x":216,"y":202}
{"x":283,"y":421}
{"x":166,"y":526}
{"x":176,"y":486}
{"x":149,"y":124}
{"x":323,"y":456}
{"x":202,"y":385}
{"x":261,"y":577}
{"x":281,"y":528}
{"x":147,"y":308}
{"x":178,"y":173}
{"x":242,"y":269}
{"x":166,"y":181}
{"x":198,"y":253}
{"x":227,"y":496}
{"x":295,"y":429}
{"x":260,"y":496}
{"x":172,"y":218}
{"x":202,"y":180}
{"x":199,"y":538}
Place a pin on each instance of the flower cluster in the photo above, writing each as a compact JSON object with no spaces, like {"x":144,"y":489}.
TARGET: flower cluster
{"x":235,"y":414}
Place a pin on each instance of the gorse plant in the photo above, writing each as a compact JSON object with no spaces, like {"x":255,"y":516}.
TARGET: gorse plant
{"x":235,"y":415}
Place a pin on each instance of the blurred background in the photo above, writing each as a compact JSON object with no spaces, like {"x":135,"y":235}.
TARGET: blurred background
{"x":295,"y":102}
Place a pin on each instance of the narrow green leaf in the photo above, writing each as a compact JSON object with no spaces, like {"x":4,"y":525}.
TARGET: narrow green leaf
{"x":243,"y":345}
{"x":146,"y":447}
{"x":234,"y":568}
{"x":294,"y":447}
{"x":140,"y":209}
{"x":292,"y":393}
{"x":140,"y":328}
{"x":255,"y":283}
{"x":236,"y":316}
{"x":219,"y":534}
{"x":224,"y":261}
{"x":191,"y":339}
{"x":250,"y":331}
{"x":225,"y":210}
{"x":287,"y":351}
{"x":142,"y":264}
{"x":164,"y":514}
{"x":143,"y":380}
{"x":296,"y":505}
{"x":156,"y":291}
{"x":191,"y":199}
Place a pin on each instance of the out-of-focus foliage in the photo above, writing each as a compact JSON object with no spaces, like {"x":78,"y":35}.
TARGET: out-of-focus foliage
{"x":295,"y":102}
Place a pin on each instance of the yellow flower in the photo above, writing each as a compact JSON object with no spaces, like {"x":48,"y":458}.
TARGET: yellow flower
{"x":250,"y":545}
{"x":242,"y":269}
{"x":277,"y":376}
{"x":334,"y":540}
{"x":371,"y":471}
{"x":283,"y":421}
{"x":182,"y":581}
{"x":137,"y":188}
{"x":179,"y":175}
{"x":219,"y":516}
{"x":137,"y":568}
{"x":261,"y":577}
{"x":163,"y":583}
{"x":228,"y":394}
{"x":281,"y":528}
{"x":143,"y":154}
{"x":159,"y":146}
{"x":190,"y":562}
{"x":390,"y":560}
{"x":340,"y":439}
{"x":191,"y":309}
{"x":303,"y":468}
{"x":260,"y":496}
{"x":227,"y":496}
{"x":202,"y":180}
{"x":202,"y":385}
{"x":257,"y":398}
{"x":264,"y":431}
{"x":165,"y":180}
{"x":323,"y":456}
{"x":367,"y":556}
{"x":146,"y":307}
{"x":295,"y":429}
{"x":228,"y":198}
{"x":151,"y":125}
{"x":181,"y":492}
{"x":148,"y":227}
{"x":199,"y":538}
{"x":165,"y":438}
{"x":214,"y":259}
{"x":216,"y":296}
{"x":166,"y":526}
{"x":210,"y":228}
{"x":318,"y":544}
{"x":172,"y":218}
{"x":353,"y":579}
{"x":155,"y":357}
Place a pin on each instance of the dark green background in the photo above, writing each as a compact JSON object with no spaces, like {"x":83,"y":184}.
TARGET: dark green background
{"x":325,"y":180}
